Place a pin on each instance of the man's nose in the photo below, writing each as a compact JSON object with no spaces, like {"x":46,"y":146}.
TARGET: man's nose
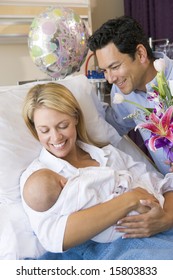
{"x":109,"y":77}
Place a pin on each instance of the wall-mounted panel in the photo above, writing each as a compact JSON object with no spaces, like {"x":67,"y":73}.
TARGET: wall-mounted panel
{"x":72,"y":3}
{"x":16,"y":18}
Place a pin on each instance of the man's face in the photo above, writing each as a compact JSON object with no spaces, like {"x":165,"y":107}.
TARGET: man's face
{"x":120,"y":69}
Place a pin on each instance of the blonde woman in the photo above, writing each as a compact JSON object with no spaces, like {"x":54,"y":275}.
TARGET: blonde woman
{"x":54,"y":118}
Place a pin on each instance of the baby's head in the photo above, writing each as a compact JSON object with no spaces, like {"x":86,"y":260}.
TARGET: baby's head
{"x":47,"y":186}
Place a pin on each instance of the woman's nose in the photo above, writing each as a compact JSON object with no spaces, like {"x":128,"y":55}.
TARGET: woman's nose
{"x":56,"y":136}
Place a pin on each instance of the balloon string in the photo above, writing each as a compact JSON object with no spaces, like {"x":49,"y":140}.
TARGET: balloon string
{"x":86,"y":65}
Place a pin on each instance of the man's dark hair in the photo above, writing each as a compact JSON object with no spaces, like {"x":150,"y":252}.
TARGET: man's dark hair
{"x":125,"y":32}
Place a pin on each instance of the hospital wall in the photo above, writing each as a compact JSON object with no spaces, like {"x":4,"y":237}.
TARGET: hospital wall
{"x":15,"y":62}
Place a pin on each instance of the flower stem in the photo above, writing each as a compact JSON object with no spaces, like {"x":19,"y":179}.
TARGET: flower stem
{"x":139,"y":106}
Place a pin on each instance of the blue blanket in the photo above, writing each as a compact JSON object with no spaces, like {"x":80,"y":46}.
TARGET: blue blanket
{"x":158,"y":247}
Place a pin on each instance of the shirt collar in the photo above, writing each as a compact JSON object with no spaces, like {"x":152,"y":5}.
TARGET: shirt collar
{"x":58,"y":164}
{"x":53,"y":162}
{"x":100,"y":155}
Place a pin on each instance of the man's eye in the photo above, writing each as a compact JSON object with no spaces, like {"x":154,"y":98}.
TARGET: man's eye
{"x":116,"y":67}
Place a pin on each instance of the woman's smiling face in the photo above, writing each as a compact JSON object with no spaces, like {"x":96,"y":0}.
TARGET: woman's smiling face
{"x":56,"y":131}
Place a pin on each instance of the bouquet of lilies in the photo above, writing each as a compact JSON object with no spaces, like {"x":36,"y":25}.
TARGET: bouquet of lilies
{"x":158,"y":120}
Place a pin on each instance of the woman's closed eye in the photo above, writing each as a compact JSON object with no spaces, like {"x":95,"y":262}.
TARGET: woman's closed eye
{"x":63,"y":126}
{"x":43,"y":130}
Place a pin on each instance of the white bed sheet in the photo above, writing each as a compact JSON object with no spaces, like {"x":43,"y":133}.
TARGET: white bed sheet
{"x":17,"y":240}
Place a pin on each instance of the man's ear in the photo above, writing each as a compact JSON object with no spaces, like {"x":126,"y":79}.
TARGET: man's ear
{"x":141,"y":52}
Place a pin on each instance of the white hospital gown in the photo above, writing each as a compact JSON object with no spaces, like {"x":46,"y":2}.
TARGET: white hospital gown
{"x":89,"y":186}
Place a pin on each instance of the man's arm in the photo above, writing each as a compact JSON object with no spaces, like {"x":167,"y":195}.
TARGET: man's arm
{"x":154,"y":221}
{"x":168,"y":207}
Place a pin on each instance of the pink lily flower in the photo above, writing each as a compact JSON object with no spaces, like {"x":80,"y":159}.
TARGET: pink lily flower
{"x":160,"y":127}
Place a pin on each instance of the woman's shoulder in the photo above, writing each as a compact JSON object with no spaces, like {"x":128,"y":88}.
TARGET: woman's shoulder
{"x":109,"y":147}
{"x":33,"y":166}
{"x":113,"y":152}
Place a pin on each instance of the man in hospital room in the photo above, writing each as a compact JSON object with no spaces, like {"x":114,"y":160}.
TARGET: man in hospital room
{"x":126,"y":58}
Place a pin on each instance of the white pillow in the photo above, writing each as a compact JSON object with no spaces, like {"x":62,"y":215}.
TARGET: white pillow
{"x":97,"y":127}
{"x":18,"y":147}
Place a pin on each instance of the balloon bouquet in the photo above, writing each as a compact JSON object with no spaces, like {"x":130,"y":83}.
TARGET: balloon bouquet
{"x":57,"y":42}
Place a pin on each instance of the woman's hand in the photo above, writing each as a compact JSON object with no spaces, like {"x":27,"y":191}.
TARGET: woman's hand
{"x":139,"y":194}
{"x":145,"y":225}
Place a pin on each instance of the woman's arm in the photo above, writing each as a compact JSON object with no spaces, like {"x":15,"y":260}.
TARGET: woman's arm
{"x":85,"y":224}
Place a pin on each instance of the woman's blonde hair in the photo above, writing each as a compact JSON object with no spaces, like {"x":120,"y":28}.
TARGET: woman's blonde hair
{"x":58,"y":97}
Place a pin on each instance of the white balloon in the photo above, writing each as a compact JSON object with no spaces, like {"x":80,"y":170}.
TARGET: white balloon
{"x":57,"y":42}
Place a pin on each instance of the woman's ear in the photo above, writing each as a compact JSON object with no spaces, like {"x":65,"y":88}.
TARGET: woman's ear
{"x":141,"y":53}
